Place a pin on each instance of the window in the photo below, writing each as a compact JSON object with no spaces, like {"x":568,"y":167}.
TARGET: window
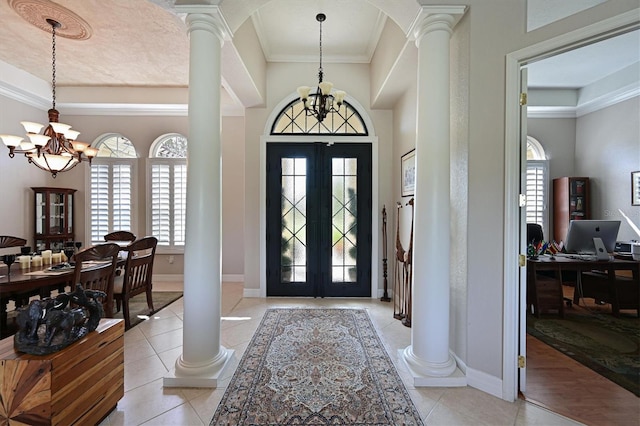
{"x":168,"y":191}
{"x":537,"y":184}
{"x":293,"y":120}
{"x":111,"y":186}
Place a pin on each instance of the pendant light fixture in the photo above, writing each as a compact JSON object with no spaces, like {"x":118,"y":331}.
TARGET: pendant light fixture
{"x":323,"y":100}
{"x":56,"y":150}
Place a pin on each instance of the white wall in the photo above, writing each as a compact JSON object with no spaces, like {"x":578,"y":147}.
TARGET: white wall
{"x":608,"y":150}
{"x":16,"y":175}
{"x":16,"y":212}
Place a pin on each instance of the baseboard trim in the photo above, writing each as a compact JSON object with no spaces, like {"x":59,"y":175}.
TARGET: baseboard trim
{"x":233,"y":278}
{"x":169,"y":277}
{"x":229,"y":278}
{"x":485,"y":382}
{"x":251,"y":292}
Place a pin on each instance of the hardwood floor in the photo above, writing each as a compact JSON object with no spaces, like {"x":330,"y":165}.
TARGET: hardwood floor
{"x":565,"y":386}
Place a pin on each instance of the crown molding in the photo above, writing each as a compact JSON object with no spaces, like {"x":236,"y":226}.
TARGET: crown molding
{"x":610,"y":99}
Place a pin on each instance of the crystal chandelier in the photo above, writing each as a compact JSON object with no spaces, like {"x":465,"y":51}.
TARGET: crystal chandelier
{"x":323,"y":101}
{"x":56,"y":149}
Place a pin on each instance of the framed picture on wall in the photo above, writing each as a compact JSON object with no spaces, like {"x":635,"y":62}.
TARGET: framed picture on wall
{"x":635,"y":188}
{"x":408,"y":170}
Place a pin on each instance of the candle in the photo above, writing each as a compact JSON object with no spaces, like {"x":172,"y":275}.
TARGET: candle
{"x":63,"y":257}
{"x":56,"y":258}
{"x":36,"y":261}
{"x":46,"y":257}
{"x":25,"y":262}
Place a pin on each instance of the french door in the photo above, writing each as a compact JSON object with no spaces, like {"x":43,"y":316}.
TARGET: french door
{"x":318,"y":219}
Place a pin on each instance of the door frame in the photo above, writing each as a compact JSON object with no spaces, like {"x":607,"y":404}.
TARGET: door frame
{"x":514,"y":301}
{"x":376,"y":290}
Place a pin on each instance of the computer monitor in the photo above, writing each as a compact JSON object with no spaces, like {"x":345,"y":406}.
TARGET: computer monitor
{"x":581,"y":234}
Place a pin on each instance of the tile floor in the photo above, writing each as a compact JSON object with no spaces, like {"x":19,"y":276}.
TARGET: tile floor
{"x":152,"y":347}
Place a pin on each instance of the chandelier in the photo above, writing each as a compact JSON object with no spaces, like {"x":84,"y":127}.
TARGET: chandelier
{"x":323,"y":101}
{"x":56,"y":149}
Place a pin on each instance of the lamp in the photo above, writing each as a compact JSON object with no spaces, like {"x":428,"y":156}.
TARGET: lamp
{"x":56,"y":149}
{"x":323,"y":101}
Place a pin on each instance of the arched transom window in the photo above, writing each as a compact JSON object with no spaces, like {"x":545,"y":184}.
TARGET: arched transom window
{"x":293,"y":120}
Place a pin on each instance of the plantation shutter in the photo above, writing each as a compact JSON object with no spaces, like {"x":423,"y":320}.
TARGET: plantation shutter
{"x":179,"y":204}
{"x":536,"y":192}
{"x":111,"y":199}
{"x":99,"y":201}
{"x":121,"y":197}
{"x":161,"y":203}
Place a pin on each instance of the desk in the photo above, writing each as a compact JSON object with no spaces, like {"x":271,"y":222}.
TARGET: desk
{"x":545,"y":293}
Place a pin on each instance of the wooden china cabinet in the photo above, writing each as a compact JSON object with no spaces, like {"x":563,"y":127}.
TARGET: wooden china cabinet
{"x":53,"y":212}
{"x":571,"y":201}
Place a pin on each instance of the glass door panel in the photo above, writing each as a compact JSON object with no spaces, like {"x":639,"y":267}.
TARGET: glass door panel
{"x":318,"y":220}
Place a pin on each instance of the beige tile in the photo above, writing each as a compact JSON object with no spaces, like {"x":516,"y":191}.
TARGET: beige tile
{"x":484,"y":408}
{"x":136,"y":350}
{"x":143,"y":371}
{"x":158,"y":326}
{"x":183,"y":415}
{"x":160,"y":337}
{"x":144,"y":403}
{"x":165,"y":341}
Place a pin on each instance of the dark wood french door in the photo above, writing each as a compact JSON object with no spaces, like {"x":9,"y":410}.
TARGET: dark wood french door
{"x":318,"y":219}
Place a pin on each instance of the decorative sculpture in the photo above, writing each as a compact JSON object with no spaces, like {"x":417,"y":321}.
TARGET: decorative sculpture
{"x":385,"y":296}
{"x":398,"y":284}
{"x":51,"y":324}
{"x":403,"y":273}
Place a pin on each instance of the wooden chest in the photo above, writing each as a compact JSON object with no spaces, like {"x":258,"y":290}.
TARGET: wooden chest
{"x":80,"y":384}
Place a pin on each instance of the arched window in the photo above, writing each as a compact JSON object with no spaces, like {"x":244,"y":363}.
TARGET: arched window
{"x":167,"y":177}
{"x":112,"y":187}
{"x":537,"y":185}
{"x":293,"y":120}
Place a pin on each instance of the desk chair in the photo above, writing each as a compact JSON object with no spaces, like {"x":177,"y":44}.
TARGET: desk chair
{"x":99,"y":276}
{"x":534,"y":234}
{"x":136,"y":279}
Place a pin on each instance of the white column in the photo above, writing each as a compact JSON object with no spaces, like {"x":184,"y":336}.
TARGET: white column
{"x":428,"y":357}
{"x":203,"y":359}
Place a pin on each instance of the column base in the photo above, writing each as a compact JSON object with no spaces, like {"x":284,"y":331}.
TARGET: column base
{"x":198,"y":376}
{"x":426,"y":374}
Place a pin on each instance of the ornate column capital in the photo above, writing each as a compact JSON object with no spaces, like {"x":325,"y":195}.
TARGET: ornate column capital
{"x":205,"y":17}
{"x":435,"y":18}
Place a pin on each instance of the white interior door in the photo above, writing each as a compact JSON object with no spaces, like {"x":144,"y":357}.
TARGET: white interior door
{"x":522,"y":341}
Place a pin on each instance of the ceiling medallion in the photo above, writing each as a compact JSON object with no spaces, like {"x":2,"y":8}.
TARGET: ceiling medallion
{"x":36,"y":12}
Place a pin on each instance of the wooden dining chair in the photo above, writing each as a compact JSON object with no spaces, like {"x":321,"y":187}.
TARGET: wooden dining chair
{"x":120,"y":236}
{"x":7,"y":241}
{"x":136,"y":278}
{"x":98,"y":275}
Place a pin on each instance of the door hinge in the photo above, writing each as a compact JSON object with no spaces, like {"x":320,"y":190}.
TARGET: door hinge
{"x":522,"y":260}
{"x":523,"y":99}
{"x":521,"y":361}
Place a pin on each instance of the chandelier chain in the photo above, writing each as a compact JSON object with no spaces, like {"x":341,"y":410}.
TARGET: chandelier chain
{"x":53,"y":64}
{"x":320,"y":73}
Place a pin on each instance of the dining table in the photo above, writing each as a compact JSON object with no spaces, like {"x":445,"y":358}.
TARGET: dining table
{"x":21,"y":284}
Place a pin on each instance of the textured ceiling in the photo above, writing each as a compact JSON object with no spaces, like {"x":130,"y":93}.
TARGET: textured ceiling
{"x":140,"y":43}
{"x":114,"y":55}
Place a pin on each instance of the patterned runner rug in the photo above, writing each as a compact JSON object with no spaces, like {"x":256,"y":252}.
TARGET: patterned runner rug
{"x":316,"y":367}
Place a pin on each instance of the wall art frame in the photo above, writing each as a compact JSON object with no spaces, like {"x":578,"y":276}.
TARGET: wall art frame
{"x":408,"y":173}
{"x":635,"y":188}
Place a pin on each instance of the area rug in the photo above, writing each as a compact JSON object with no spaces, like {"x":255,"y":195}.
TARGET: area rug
{"x":138,"y":309}
{"x":608,"y":345}
{"x":316,"y":367}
